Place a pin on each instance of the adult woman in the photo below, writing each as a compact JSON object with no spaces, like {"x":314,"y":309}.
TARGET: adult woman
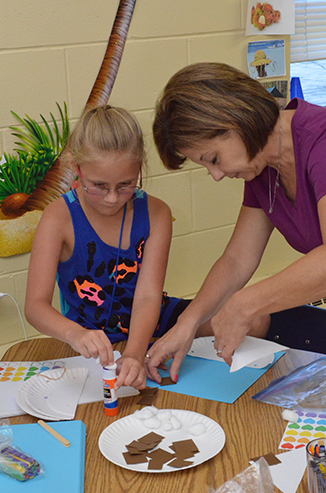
{"x":222,"y":119}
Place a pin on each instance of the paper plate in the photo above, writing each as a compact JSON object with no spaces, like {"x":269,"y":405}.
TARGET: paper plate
{"x":22,"y":403}
{"x":57,"y":397}
{"x":53,"y":397}
{"x":113,"y":440}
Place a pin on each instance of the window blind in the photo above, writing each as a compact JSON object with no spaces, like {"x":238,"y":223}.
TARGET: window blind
{"x":309,"y":40}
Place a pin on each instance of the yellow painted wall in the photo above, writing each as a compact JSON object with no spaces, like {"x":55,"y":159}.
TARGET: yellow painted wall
{"x":52,"y":50}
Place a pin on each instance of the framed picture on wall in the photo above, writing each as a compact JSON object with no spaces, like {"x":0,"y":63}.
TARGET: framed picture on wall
{"x":272,"y":18}
{"x":266,"y":59}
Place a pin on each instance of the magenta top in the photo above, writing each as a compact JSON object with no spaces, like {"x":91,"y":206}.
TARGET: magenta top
{"x":298,"y":222}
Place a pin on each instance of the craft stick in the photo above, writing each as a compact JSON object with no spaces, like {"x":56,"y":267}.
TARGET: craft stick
{"x":54,"y":433}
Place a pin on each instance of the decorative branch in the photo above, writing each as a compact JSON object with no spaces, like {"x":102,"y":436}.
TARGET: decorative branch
{"x":107,"y":74}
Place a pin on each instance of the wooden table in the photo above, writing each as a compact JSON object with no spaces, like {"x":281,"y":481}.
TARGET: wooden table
{"x":252,"y":428}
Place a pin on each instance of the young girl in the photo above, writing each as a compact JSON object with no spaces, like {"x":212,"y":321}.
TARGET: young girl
{"x":107,"y":244}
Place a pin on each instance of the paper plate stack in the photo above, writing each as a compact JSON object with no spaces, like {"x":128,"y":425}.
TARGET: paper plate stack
{"x":53,"y":394}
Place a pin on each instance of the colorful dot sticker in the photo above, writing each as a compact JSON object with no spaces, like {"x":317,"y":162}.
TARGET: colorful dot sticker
{"x":311,"y":424}
{"x":287,"y":445}
{"x":292,"y":432}
{"x":303,"y":440}
{"x":21,"y":371}
{"x":291,"y":439}
{"x":319,"y":435}
{"x":295,"y":426}
{"x":307,"y":427}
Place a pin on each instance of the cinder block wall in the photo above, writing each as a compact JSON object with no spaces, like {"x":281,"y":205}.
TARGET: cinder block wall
{"x":52,"y":50}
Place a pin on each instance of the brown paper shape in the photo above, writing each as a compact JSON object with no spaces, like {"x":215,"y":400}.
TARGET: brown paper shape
{"x":184,"y":447}
{"x":137,"y":448}
{"x":150,"y":438}
{"x":134,"y":458}
{"x":146,"y":400}
{"x":149,"y":391}
{"x":270,"y":458}
{"x":180,"y":463}
{"x":159,"y":457}
{"x":161,"y":454}
{"x":167,"y":381}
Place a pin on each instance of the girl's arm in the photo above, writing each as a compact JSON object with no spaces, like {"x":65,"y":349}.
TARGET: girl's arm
{"x":228,"y":275}
{"x":148,"y":295}
{"x":302,"y":282}
{"x":50,"y":243}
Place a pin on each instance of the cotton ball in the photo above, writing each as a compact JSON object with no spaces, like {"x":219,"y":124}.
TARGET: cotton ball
{"x":164,"y":414}
{"x":167,"y":426}
{"x":197,"y":429}
{"x":146,"y":412}
{"x":152,"y":423}
{"x":176,"y":424}
{"x":290,"y":416}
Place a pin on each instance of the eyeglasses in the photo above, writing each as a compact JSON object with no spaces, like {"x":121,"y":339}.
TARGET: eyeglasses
{"x":103,"y":190}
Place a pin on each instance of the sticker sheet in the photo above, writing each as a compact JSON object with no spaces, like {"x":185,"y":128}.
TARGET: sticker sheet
{"x":21,"y":371}
{"x":311,"y":425}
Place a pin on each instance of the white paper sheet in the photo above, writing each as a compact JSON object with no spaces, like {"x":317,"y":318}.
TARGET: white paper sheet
{"x":252,"y":352}
{"x":288,"y":475}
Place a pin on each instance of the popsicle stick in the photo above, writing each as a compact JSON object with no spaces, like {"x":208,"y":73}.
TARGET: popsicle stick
{"x":54,"y":433}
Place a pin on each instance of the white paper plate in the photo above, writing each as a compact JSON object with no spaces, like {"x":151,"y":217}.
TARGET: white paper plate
{"x":22,"y":403}
{"x":113,"y":440}
{"x":52,"y":399}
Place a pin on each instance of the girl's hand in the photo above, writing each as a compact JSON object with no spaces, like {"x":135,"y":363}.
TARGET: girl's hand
{"x":131,"y":372}
{"x":92,"y":344}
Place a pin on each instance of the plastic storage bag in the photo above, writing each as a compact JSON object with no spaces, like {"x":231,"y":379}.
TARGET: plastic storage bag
{"x":13,"y":461}
{"x":303,"y":388}
{"x":255,"y":479}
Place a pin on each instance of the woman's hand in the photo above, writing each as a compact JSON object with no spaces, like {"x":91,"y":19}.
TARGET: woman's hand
{"x":131,"y":372}
{"x":174,"y":344}
{"x":230,"y":326}
{"x":92,"y":344}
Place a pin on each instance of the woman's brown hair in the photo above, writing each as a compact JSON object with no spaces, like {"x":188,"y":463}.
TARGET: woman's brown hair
{"x":206,"y":100}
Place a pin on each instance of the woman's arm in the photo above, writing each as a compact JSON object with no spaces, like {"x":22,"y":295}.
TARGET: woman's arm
{"x":229,"y":274}
{"x":300,"y":283}
{"x":49,"y":243}
{"x":148,"y":295}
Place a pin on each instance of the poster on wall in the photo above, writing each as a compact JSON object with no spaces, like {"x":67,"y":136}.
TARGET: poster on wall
{"x":266,"y":59}
{"x":277,"y":17}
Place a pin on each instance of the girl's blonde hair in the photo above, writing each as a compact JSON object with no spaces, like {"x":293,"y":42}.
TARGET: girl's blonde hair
{"x":206,"y":100}
{"x":105,"y":129}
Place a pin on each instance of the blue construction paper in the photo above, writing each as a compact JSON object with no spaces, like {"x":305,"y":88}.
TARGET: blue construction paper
{"x":64,"y":466}
{"x":212,"y":380}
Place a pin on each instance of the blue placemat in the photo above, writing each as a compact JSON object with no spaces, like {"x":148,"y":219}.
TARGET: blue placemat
{"x":64,"y":466}
{"x":212,"y":380}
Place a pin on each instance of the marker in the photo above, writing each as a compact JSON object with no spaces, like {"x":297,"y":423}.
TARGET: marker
{"x":111,"y":407}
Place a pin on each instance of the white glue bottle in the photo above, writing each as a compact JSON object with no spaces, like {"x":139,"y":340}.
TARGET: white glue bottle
{"x":110,"y":395}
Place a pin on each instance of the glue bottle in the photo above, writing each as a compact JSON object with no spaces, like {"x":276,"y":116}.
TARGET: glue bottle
{"x":110,"y":395}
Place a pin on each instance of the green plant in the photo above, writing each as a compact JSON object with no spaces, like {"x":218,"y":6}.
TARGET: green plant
{"x":39,"y":146}
{"x":34,"y":135}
